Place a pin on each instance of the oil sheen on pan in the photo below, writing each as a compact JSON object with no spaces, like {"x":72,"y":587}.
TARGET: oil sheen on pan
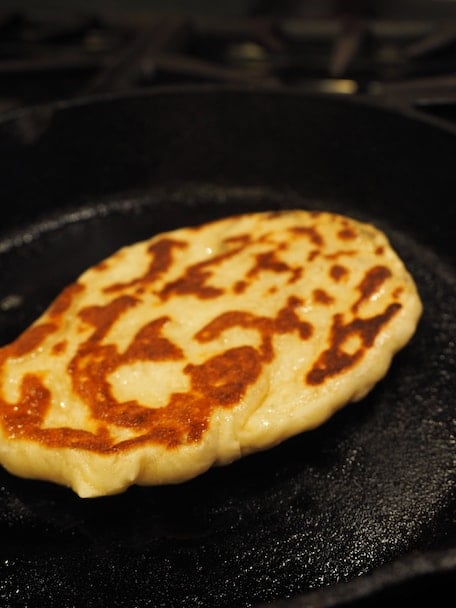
{"x":201,"y":345}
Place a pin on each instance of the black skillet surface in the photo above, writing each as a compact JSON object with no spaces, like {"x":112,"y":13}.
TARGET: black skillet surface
{"x":370,"y":493}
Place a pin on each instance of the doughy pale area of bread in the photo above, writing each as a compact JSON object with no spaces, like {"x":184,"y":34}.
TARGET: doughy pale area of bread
{"x":201,"y":345}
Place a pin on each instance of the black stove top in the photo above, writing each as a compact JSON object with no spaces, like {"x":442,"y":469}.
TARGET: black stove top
{"x":402,"y":61}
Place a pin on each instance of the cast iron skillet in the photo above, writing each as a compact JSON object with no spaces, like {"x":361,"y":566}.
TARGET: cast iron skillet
{"x":358,"y":507}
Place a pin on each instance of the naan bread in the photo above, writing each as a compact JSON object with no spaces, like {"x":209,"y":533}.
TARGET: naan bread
{"x":201,"y":345}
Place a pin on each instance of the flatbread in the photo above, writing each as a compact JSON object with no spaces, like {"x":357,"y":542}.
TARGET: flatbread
{"x":201,"y":345}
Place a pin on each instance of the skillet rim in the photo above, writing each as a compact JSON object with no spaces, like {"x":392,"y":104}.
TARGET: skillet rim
{"x":369,"y":101}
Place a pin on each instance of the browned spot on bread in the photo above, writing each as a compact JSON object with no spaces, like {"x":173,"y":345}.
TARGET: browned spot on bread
{"x":195,"y":279}
{"x":379,"y":250}
{"x":286,"y":321}
{"x":320,"y":296}
{"x":347,"y":234}
{"x":309,"y":231}
{"x":223,"y":378}
{"x":28,"y":341}
{"x":296,"y":275}
{"x":339,"y":254}
{"x":338,"y":272}
{"x":239,"y":239}
{"x":194,"y":282}
{"x":35,"y":400}
{"x":162,"y":258}
{"x":269,"y":261}
{"x":150,"y":345}
{"x":63,"y":301}
{"x":26,"y":421}
{"x":103,"y":317}
{"x":371,"y":282}
{"x":334,"y":360}
{"x":59,"y":347}
{"x":312,"y":255}
{"x":240,"y":286}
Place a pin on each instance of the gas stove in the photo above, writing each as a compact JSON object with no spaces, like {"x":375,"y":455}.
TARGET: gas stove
{"x":400,"y":61}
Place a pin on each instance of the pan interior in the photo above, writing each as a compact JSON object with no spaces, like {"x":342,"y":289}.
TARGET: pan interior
{"x":375,"y":482}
